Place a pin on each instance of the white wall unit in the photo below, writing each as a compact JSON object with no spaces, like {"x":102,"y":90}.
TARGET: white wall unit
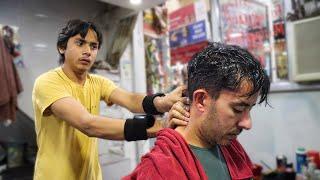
{"x":303,"y":49}
{"x":292,"y":121}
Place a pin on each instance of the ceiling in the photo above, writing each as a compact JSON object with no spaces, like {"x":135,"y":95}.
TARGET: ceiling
{"x":145,"y":4}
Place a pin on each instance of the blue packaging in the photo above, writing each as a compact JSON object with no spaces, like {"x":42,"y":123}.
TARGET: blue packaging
{"x":301,"y":157}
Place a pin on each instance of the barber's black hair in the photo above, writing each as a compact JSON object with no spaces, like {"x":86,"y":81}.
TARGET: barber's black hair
{"x":74,"y":27}
{"x":224,"y":67}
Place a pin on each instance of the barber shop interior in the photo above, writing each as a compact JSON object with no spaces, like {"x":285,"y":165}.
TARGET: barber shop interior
{"x":160,"y":89}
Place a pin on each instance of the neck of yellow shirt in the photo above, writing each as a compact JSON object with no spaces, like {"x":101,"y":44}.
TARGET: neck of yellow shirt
{"x":75,"y":76}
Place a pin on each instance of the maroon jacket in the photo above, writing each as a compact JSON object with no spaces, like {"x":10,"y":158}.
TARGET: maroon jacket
{"x":172,"y":158}
{"x":10,"y":84}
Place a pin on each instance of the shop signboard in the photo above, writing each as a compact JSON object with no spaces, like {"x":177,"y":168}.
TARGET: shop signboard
{"x":197,"y":32}
{"x":187,"y":35}
{"x":182,"y":17}
{"x":187,"y":15}
{"x":184,"y":54}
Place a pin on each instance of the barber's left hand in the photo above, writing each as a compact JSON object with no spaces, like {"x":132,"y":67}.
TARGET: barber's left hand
{"x":165,"y":103}
{"x":178,"y":115}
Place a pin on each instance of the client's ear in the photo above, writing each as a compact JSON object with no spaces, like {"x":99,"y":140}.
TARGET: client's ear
{"x":200,"y":99}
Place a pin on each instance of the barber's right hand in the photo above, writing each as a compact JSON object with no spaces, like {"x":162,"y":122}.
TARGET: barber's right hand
{"x":178,"y":115}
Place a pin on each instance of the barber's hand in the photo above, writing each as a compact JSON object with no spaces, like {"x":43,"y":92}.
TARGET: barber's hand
{"x":178,"y":115}
{"x":158,"y":125}
{"x":164,"y":104}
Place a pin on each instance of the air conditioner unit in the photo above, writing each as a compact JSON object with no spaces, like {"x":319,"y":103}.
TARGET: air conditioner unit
{"x":303,"y":38}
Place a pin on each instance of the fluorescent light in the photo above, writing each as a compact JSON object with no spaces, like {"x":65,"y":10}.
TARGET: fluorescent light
{"x":41,"y":15}
{"x":40,"y":45}
{"x":135,"y":2}
{"x":234,"y":35}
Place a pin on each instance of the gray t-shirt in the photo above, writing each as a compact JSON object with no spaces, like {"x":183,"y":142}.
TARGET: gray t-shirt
{"x":212,"y":161}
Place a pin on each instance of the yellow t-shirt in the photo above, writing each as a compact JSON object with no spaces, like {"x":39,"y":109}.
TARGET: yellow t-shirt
{"x":64,"y":152}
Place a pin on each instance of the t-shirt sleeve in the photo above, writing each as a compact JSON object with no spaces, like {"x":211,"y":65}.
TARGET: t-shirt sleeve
{"x":107,"y":87}
{"x":48,"y":90}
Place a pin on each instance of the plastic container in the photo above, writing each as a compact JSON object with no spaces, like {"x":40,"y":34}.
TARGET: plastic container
{"x":301,"y":157}
{"x":314,"y":156}
{"x":281,"y":163}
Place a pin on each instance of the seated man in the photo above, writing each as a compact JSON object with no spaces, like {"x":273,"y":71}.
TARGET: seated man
{"x":224,"y":83}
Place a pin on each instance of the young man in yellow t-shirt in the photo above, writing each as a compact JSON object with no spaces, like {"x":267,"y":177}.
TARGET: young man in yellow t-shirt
{"x":66,"y":105}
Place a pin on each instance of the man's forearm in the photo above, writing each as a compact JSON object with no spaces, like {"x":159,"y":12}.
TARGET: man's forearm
{"x":113,"y":129}
{"x":136,"y":103}
{"x":104,"y":127}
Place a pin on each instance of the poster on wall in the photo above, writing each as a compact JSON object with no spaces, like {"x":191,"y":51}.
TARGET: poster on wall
{"x":182,"y":17}
{"x":187,"y":15}
{"x":188,"y":31}
{"x":277,"y":10}
{"x":188,"y":35}
{"x":184,"y":54}
{"x":245,"y":23}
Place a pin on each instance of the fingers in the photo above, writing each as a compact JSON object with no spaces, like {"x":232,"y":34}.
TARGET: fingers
{"x":185,"y":100}
{"x":180,"y":108}
{"x":183,"y":87}
{"x":180,"y":89}
{"x":176,"y":95}
{"x":176,"y":122}
{"x":176,"y":114}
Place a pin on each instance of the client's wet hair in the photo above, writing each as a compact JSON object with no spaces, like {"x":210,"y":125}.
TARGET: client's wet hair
{"x":224,"y":67}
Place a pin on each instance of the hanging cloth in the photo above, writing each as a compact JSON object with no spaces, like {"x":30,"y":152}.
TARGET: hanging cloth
{"x":10,"y":84}
{"x":120,"y":41}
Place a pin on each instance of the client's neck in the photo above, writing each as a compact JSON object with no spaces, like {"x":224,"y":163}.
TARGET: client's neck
{"x":191,"y":135}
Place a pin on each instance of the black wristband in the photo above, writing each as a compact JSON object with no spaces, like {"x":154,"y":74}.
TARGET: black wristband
{"x":148,"y":105}
{"x":148,"y":118}
{"x":136,"y":128}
